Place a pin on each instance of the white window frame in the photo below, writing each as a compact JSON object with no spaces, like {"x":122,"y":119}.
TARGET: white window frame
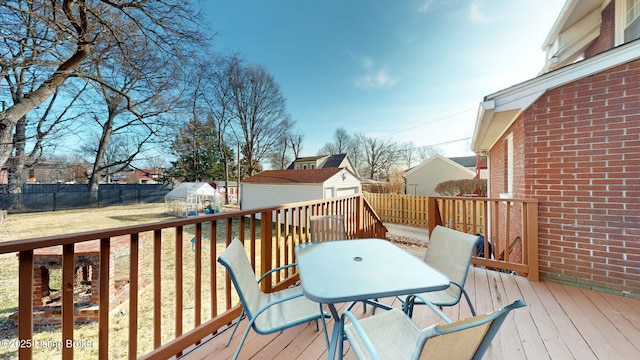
{"x":509,"y":144}
{"x":621,"y":19}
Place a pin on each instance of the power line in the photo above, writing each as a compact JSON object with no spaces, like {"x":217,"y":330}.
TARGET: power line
{"x":427,"y":123}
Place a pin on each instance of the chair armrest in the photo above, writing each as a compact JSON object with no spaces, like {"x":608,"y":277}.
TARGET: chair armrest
{"x":277,"y":301}
{"x":363,"y":336}
{"x":276,"y":269}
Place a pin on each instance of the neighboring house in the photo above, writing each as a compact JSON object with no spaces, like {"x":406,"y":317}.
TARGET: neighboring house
{"x":423,"y":178}
{"x":322,"y":162}
{"x":148,"y":176}
{"x":570,"y":138}
{"x":47,"y":172}
{"x":276,"y":187}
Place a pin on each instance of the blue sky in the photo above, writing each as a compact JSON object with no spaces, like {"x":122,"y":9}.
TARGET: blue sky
{"x":410,"y":70}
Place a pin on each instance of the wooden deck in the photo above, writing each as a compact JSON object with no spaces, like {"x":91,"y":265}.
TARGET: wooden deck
{"x":561,"y":322}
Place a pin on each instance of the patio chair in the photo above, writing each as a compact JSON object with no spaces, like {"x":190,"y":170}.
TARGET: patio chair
{"x":393,"y":335}
{"x":267,"y":312}
{"x":449,"y":251}
{"x":327,"y":228}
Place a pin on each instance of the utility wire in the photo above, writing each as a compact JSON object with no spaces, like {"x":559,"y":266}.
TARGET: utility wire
{"x":426,"y":123}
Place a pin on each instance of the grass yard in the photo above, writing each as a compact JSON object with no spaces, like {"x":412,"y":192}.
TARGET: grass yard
{"x":47,"y":338}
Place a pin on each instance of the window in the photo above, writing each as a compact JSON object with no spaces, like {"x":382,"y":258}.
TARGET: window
{"x":627,"y":21}
{"x":508,"y":170}
{"x":632,"y":20}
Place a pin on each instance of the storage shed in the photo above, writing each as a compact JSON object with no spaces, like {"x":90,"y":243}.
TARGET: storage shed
{"x":276,"y":187}
{"x":190,"y":199}
{"x":423,"y":178}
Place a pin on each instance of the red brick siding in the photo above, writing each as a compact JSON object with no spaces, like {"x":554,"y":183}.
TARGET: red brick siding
{"x":498,"y":184}
{"x":606,"y":40}
{"x":582,"y":162}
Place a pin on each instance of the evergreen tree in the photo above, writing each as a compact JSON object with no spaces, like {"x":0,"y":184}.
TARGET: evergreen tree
{"x":198,"y":156}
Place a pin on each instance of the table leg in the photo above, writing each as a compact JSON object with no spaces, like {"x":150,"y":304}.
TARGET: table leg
{"x":336,"y":336}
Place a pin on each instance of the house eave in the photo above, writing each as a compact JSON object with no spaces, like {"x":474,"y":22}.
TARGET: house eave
{"x":500,"y":110}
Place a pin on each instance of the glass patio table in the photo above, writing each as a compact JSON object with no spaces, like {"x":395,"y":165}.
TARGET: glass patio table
{"x":360,"y":270}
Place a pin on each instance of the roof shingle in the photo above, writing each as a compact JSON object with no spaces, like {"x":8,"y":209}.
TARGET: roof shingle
{"x":308,"y":176}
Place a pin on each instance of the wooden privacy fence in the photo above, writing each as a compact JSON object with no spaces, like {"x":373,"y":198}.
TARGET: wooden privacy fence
{"x":400,"y":208}
{"x":189,"y":295}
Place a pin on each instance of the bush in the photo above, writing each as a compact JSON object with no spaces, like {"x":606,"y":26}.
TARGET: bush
{"x":463,"y":187}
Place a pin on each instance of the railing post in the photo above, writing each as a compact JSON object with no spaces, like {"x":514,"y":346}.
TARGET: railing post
{"x":67,"y":320}
{"x":103,"y":322}
{"x":433,"y":214}
{"x":266,"y":246}
{"x":359,"y":212}
{"x":531,"y":228}
{"x":25,"y":307}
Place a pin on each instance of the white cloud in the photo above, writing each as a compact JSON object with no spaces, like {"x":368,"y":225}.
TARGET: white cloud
{"x":476,"y":14}
{"x":373,"y":77}
{"x":426,"y":5}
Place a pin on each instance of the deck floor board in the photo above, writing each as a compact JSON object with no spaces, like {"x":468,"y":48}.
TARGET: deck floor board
{"x":561,"y":322}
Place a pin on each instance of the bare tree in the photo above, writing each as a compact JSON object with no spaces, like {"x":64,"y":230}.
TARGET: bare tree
{"x":137,"y":95}
{"x":278,"y":158}
{"x":340,"y":145}
{"x":213,"y":86}
{"x":379,"y":155}
{"x":425,"y":152}
{"x":259,"y":113}
{"x":64,"y":34}
{"x":295,"y":143}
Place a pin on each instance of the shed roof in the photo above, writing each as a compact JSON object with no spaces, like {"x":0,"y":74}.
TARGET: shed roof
{"x":436,"y":157}
{"x":182,"y":190}
{"x":309,"y":176}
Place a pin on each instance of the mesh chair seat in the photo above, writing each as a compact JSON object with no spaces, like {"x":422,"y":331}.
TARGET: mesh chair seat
{"x":389,"y":334}
{"x":297,"y":310}
{"x":393,"y":335}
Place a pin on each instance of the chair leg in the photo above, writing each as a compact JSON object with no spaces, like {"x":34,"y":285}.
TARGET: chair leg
{"x":235,"y":327}
{"x":473,"y":311}
{"x":244,"y":337}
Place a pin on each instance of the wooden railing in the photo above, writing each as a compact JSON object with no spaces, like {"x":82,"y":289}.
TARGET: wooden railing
{"x":190,"y":295}
{"x":509,"y":228}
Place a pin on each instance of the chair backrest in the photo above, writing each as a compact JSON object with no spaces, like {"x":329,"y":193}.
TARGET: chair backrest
{"x":464,"y":339}
{"x":450,"y":251}
{"x":235,"y":260}
{"x":327,"y":228}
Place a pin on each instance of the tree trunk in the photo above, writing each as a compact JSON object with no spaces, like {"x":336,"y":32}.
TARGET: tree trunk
{"x":13,"y":114}
{"x":96,"y":176}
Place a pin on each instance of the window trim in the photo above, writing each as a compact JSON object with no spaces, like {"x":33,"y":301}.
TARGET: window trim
{"x":621,"y":20}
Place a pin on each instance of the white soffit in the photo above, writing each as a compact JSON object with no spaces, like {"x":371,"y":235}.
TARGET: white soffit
{"x":499,"y":110}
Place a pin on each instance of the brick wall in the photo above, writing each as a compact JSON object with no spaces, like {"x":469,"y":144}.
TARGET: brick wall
{"x":606,"y":39}
{"x":506,"y":234}
{"x":581,"y":160}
